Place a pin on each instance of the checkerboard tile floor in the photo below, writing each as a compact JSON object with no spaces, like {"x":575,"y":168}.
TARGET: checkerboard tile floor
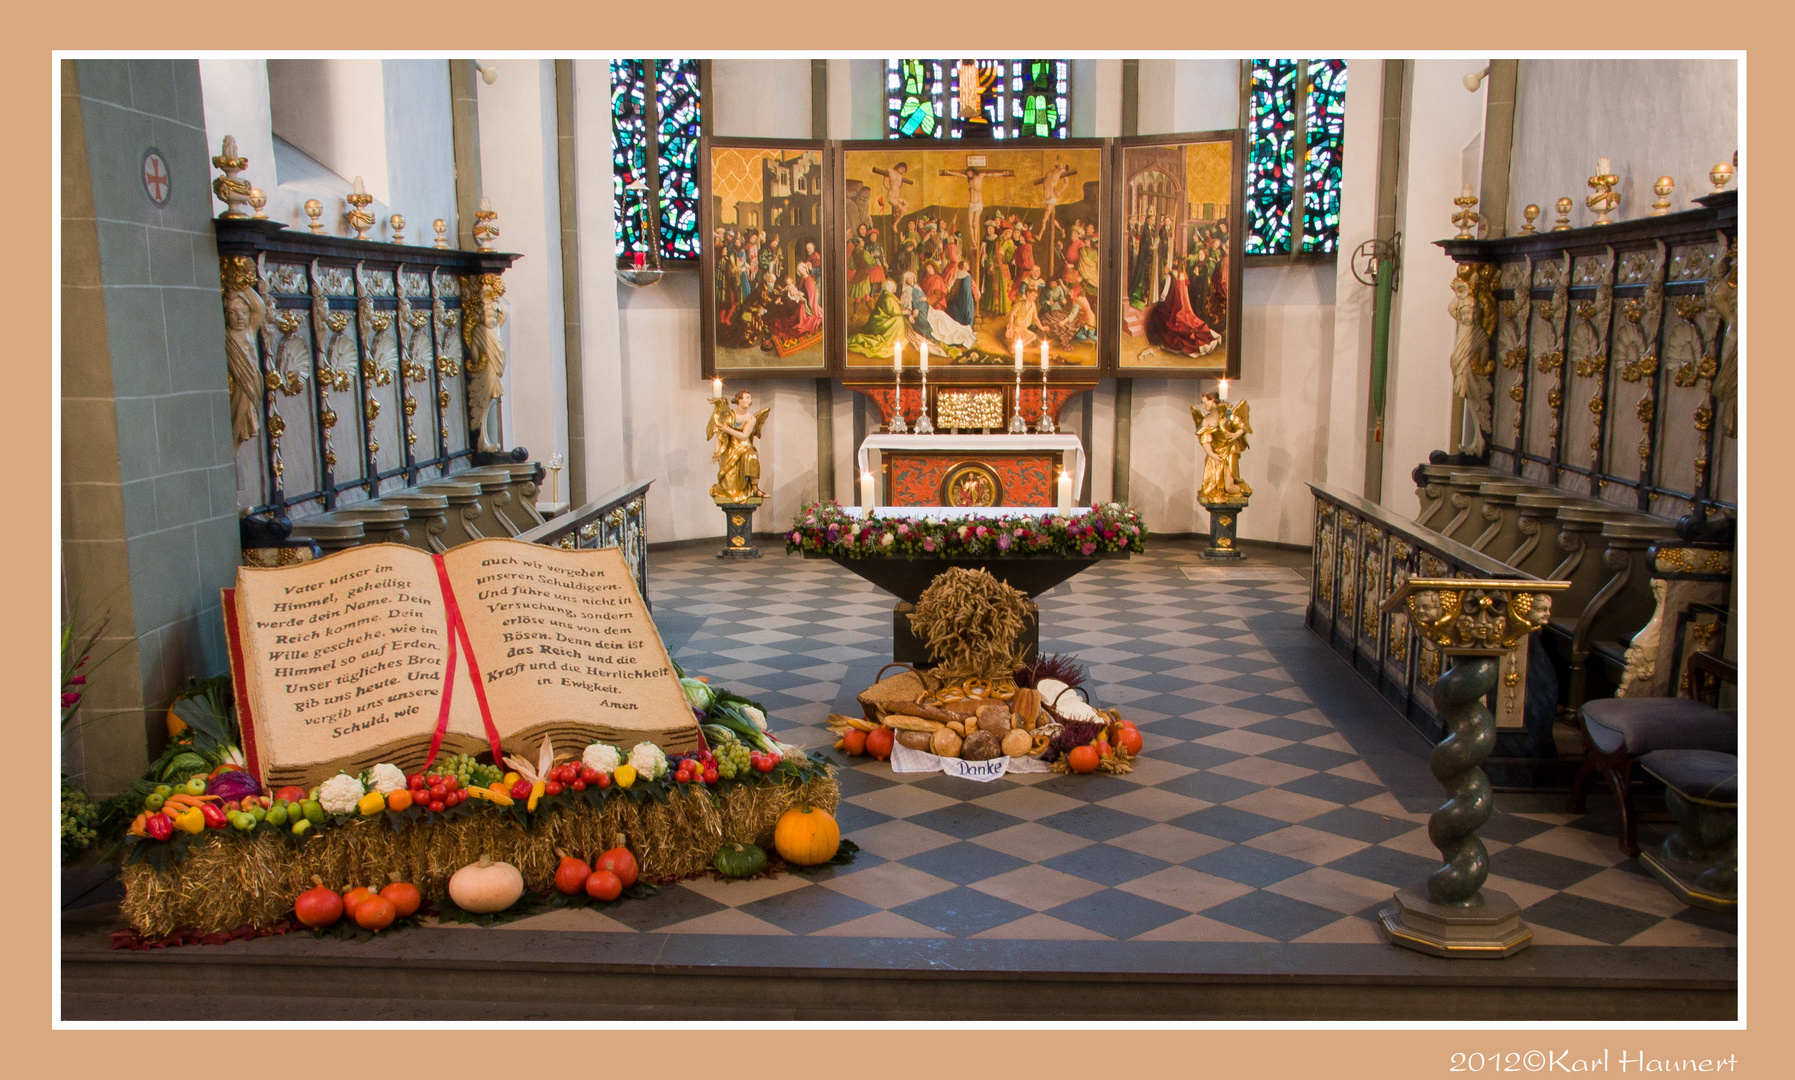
{"x":1251,"y":817}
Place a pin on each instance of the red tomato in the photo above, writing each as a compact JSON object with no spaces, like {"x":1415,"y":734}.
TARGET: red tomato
{"x":437,"y":805}
{"x":604,"y":779}
{"x":553,"y":787}
{"x":579,"y":785}
{"x":589,"y":774}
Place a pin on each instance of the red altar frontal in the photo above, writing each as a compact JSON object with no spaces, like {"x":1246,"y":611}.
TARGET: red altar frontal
{"x":974,"y":471}
{"x":972,"y":461}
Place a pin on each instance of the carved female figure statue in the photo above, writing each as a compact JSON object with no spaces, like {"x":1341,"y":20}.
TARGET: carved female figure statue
{"x":1470,"y":354}
{"x":486,"y":358}
{"x":738,"y":459}
{"x":1222,"y":432}
{"x":243,"y":318}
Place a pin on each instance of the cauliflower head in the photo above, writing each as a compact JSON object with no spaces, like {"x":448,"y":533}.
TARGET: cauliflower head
{"x":340,"y":793}
{"x":601,"y":758}
{"x":759,"y":718}
{"x":648,"y":760}
{"x":386,"y":778}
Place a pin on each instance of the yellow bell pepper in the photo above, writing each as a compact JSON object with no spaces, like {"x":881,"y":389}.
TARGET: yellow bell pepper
{"x":370,"y":804}
{"x":624,"y":776}
{"x":191,"y":822}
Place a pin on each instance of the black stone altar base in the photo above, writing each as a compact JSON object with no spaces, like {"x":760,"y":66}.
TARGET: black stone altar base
{"x":738,"y":542}
{"x":907,"y":577}
{"x":1224,"y":522}
{"x":907,"y":648}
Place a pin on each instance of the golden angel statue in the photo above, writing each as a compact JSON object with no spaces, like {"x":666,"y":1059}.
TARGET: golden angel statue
{"x":486,"y":354}
{"x":734,"y":425}
{"x":1222,"y":431}
{"x":1470,"y":362}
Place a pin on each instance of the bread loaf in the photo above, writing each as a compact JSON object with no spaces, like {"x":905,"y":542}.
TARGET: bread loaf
{"x":981,"y":746}
{"x":994,"y":718}
{"x":1018,"y":743}
{"x":915,"y":740}
{"x":944,"y":743}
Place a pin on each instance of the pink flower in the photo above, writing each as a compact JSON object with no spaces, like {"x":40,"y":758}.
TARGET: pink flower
{"x":79,"y":680}
{"x":70,"y":698}
{"x":928,"y":543}
{"x":1003,"y":543}
{"x":1087,"y":548}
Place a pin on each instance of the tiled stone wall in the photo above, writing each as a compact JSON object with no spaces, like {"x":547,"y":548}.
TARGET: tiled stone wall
{"x":149,"y":486}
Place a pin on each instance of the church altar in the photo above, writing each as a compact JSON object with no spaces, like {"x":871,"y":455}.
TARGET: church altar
{"x":983,"y":472}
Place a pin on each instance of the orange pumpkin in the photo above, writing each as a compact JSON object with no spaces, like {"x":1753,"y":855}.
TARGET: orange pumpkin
{"x":376,"y":912}
{"x":806,"y":836}
{"x":1128,"y":737}
{"x":404,"y":896}
{"x":1083,"y":759}
{"x":878,"y":742}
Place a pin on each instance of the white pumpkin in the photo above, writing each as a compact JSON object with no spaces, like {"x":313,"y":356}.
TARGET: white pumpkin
{"x":486,"y":886}
{"x":1064,"y":700}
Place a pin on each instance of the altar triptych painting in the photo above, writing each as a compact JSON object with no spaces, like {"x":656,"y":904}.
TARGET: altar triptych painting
{"x":1119,"y":256}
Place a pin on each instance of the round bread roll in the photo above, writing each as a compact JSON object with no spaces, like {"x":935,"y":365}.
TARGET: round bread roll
{"x":944,"y":743}
{"x":995,"y":719}
{"x":915,"y":740}
{"x":981,"y":746}
{"x":1018,"y":743}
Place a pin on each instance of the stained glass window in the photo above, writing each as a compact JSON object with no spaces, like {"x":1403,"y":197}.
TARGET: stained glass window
{"x":977,"y":99}
{"x":1295,"y":113}
{"x":654,"y":155}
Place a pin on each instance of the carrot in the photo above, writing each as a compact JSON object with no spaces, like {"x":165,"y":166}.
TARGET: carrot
{"x":137,"y":824}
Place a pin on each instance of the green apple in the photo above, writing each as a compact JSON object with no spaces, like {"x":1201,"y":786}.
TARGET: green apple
{"x":313,"y":810}
{"x":278,"y":815}
{"x":196,"y":785}
{"x":301,"y":827}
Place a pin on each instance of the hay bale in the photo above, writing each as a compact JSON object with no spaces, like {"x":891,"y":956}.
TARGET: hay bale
{"x":228,"y":882}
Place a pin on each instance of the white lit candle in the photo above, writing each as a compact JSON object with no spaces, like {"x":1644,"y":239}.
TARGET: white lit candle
{"x":1224,"y":390}
{"x":717,"y":387}
{"x":1043,"y":355}
{"x":1467,"y":193}
{"x":897,"y":354}
{"x":1065,"y":506}
{"x":1602,"y":167}
{"x":1018,"y":354}
{"x":925,"y":358}
{"x":866,"y":494}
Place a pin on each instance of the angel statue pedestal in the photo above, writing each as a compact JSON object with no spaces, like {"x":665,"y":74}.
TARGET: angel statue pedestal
{"x":734,"y":426}
{"x":1224,"y":521}
{"x":1222,"y":430}
{"x":1474,"y":624}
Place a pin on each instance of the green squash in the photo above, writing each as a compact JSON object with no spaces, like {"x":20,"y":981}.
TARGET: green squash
{"x":739,"y":860}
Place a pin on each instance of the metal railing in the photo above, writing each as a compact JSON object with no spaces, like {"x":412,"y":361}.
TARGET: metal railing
{"x":617,"y":519}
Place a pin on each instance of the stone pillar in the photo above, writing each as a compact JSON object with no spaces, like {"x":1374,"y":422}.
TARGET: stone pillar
{"x":149,"y":493}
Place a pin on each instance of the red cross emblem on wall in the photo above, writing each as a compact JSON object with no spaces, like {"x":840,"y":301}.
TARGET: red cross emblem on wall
{"x":156,"y":180}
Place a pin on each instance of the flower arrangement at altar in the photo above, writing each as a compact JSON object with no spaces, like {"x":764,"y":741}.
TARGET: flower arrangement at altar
{"x":825,"y":527}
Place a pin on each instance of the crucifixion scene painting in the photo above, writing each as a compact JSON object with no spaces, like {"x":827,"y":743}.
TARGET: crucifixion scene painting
{"x":972,"y":251}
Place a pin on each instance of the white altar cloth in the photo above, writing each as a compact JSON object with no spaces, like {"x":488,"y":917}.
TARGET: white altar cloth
{"x":1067,"y":444}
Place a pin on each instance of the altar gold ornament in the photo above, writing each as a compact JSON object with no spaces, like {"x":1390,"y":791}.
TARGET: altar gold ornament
{"x":1473,"y":309}
{"x":1563,"y":206}
{"x":1604,"y":200}
{"x":1530,"y":212}
{"x":315,"y":210}
{"x":359,"y":218}
{"x":257,"y":200}
{"x":441,"y":228}
{"x":231,"y":189}
{"x":244,"y":314}
{"x":1466,"y":219}
{"x":486,"y":231}
{"x":395,"y":227}
{"x":734,"y":427}
{"x":1662,"y":189}
{"x":1720,"y":174}
{"x":1481,"y":622}
{"x":484,"y":310}
{"x":1222,"y":430}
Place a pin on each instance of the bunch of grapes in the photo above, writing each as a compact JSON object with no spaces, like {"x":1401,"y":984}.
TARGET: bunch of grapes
{"x":732,"y":759}
{"x":79,"y":815}
{"x":466,"y":771}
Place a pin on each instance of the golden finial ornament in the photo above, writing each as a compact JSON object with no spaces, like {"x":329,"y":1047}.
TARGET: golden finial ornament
{"x":1564,"y":214}
{"x":442,"y":232}
{"x":315,"y":210}
{"x":1604,"y":200}
{"x":485,"y":231}
{"x":1530,"y":212}
{"x":359,"y":218}
{"x":1720,"y":174}
{"x":257,"y":200}
{"x":1466,"y":219}
{"x":395,"y":227}
{"x":1662,"y":189}
{"x":233,"y":191}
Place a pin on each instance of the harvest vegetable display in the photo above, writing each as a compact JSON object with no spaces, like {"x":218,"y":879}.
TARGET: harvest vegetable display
{"x":215,"y":852}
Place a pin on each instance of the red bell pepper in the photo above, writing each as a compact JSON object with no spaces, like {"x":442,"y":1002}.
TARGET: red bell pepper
{"x":159,"y":826}
{"x":215,"y":818}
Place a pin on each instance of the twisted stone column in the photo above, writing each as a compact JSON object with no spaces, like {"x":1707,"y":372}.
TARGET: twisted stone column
{"x":1456,"y":761}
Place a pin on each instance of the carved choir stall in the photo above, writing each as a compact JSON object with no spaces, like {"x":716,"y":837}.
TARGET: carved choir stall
{"x":1598,"y":374}
{"x":365,"y":379}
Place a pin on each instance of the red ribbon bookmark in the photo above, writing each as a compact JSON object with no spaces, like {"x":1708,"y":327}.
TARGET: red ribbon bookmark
{"x":458,"y":629}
